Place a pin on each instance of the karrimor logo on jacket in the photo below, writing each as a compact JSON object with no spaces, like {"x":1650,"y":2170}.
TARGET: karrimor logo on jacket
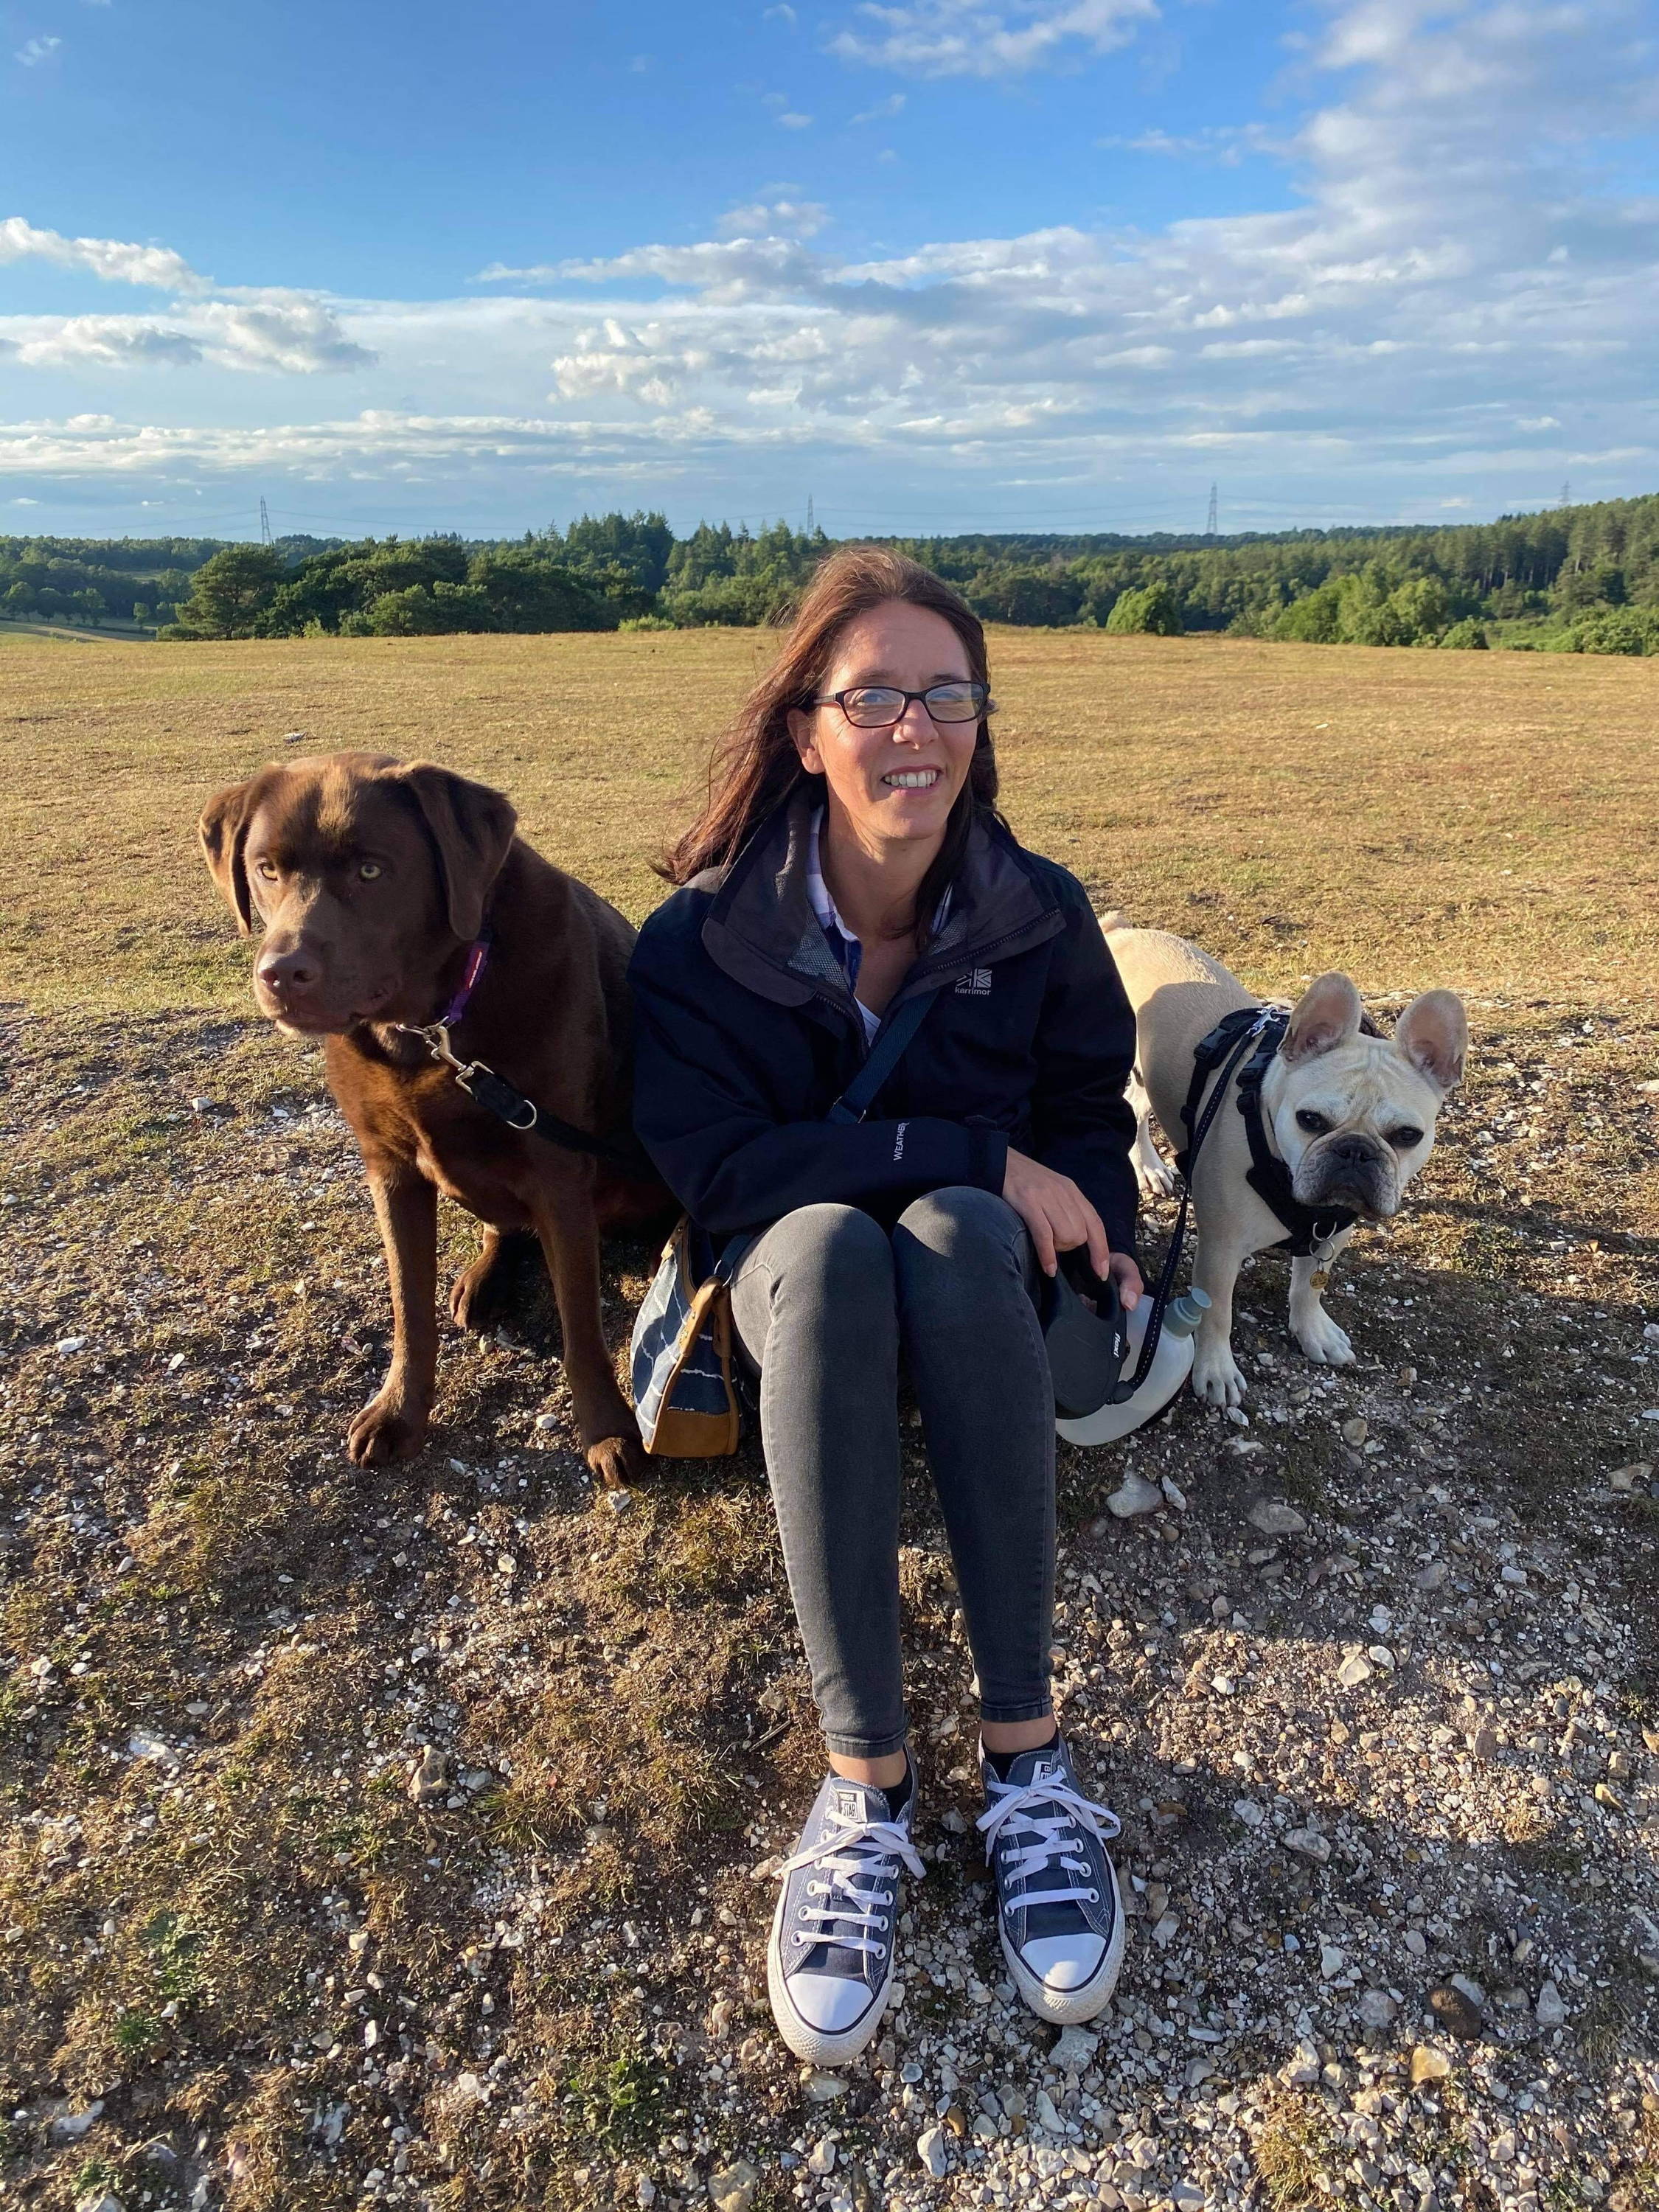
{"x":976,"y":984}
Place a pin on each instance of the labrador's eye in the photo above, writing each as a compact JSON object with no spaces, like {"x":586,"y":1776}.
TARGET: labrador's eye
{"x":268,"y":869}
{"x":1403,"y":1139}
{"x":1315,"y":1124}
{"x":370,"y":870}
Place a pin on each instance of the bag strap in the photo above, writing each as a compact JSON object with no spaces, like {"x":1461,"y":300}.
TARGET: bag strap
{"x":882,"y":1058}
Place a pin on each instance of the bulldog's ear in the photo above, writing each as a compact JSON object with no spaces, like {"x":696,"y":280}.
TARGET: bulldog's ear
{"x":1325,"y":1016}
{"x":223,"y":832}
{"x":1433,"y":1033}
{"x":472,"y":828}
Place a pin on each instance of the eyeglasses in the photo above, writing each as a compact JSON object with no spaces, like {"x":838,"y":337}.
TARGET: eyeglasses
{"x":879,"y":706}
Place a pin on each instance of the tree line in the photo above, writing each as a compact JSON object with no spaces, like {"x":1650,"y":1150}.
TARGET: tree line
{"x":1583,"y":579}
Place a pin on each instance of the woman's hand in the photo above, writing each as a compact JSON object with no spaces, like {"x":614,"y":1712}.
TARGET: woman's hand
{"x":1060,"y":1218}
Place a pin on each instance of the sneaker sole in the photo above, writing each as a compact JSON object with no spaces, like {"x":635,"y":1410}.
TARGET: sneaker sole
{"x":812,"y":2044}
{"x":1069,"y":2008}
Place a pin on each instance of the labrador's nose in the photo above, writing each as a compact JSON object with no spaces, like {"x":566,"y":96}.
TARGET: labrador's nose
{"x":290,"y":974}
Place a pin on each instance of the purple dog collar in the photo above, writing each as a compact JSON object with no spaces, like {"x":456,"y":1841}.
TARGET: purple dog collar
{"x":478,"y":954}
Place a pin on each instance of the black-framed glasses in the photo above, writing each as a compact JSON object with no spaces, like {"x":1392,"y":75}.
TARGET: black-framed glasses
{"x":879,"y":706}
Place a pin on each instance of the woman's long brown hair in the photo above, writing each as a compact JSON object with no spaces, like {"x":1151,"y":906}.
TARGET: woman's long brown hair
{"x":755,"y":767}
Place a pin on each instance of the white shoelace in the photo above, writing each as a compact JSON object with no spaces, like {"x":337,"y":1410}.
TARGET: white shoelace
{"x":848,"y":1848}
{"x":1012,"y":1810}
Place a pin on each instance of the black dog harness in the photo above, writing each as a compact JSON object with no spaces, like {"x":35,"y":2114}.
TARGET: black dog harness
{"x":1309,"y":1230}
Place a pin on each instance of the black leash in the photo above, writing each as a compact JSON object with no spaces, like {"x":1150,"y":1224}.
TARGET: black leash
{"x":1231,"y":1052}
{"x":498,"y":1096}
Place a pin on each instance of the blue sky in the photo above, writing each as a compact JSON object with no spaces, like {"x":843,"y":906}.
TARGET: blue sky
{"x":940,"y":264}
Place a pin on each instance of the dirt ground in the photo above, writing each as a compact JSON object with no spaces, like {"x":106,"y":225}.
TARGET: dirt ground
{"x":404,"y":1837}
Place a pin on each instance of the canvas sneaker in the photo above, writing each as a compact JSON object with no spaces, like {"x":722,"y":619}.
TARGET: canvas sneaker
{"x":1058,"y":1908}
{"x":830,"y":1962}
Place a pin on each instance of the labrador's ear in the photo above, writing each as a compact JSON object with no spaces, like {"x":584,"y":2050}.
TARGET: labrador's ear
{"x":1325,"y":1016}
{"x":223,"y":832}
{"x":472,"y":828}
{"x":1433,"y":1033}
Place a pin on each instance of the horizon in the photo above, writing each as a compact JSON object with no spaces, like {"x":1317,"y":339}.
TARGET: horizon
{"x":1042,"y":267}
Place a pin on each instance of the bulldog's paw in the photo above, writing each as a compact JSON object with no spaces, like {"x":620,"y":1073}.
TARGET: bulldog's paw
{"x":1217,"y":1377}
{"x":618,"y":1460}
{"x":387,"y":1429}
{"x":1155,"y":1178}
{"x":1325,"y":1344}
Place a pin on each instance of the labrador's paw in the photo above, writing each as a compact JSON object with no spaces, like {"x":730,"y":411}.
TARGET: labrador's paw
{"x":618,"y":1462}
{"x":389,"y":1428}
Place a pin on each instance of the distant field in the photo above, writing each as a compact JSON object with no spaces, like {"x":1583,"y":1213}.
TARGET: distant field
{"x":1482,"y":819}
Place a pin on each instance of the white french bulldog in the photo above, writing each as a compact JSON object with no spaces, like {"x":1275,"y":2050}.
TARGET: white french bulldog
{"x":1351,"y":1116}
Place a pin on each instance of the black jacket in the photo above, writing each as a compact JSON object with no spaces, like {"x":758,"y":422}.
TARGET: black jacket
{"x":746,"y":1033}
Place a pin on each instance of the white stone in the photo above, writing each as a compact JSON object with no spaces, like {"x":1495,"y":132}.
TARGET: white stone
{"x":821,"y":2158}
{"x":930,"y":2149}
{"x":1331,"y":1961}
{"x":1134,"y":1495}
{"x":822,"y":2088}
{"x":1304,"y":2067}
{"x":1074,"y":2051}
{"x":70,"y":2127}
{"x":1309,"y":1844}
{"x":1430,"y":1575}
{"x":1355,"y":1669}
{"x":1550,"y":2011}
{"x":1247,"y":1810}
{"x":1273,"y":1518}
{"x":733,"y":2189}
{"x":1043,"y":2113}
{"x":1377,"y":2009}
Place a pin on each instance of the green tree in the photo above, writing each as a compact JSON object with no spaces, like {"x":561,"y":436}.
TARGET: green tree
{"x":1153,"y":612}
{"x":231,"y":592}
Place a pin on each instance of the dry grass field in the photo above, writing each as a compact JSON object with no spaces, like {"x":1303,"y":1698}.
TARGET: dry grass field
{"x":245,"y":1960}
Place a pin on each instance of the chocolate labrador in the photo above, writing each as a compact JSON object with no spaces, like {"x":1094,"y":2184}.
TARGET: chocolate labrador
{"x":384,"y":889}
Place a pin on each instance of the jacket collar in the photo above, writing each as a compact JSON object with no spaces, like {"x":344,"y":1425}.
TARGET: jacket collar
{"x":762,"y":929}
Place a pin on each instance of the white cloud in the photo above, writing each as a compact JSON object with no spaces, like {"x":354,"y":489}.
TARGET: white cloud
{"x":789,"y":120}
{"x":108,"y":257}
{"x":967,"y":38}
{"x":883,"y":110}
{"x":33,"y":51}
{"x":779,"y":218}
{"x":1227,"y":143}
{"x":1403,"y":327}
{"x":231,"y":326}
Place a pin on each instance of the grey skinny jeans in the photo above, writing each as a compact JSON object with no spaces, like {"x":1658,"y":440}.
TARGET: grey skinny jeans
{"x":824,"y":1302}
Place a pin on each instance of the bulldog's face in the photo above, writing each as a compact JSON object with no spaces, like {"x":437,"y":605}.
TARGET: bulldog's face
{"x":1353,"y":1116}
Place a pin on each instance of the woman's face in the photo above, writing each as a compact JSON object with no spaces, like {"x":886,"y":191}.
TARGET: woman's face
{"x":893,"y":785}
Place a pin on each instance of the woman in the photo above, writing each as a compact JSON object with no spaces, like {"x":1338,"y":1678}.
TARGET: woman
{"x":850,"y":859}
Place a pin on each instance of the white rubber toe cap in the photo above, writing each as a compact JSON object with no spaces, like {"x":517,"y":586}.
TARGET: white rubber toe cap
{"x":828,"y":2003}
{"x":1065,"y":1962}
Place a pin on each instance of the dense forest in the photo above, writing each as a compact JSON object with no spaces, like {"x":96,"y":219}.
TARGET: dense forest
{"x":1571,"y":580}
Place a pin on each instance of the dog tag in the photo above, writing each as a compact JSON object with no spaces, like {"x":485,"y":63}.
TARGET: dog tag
{"x":1321,"y":1276}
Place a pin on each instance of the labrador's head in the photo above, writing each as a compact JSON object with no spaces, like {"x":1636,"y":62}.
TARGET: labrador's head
{"x":363,"y":874}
